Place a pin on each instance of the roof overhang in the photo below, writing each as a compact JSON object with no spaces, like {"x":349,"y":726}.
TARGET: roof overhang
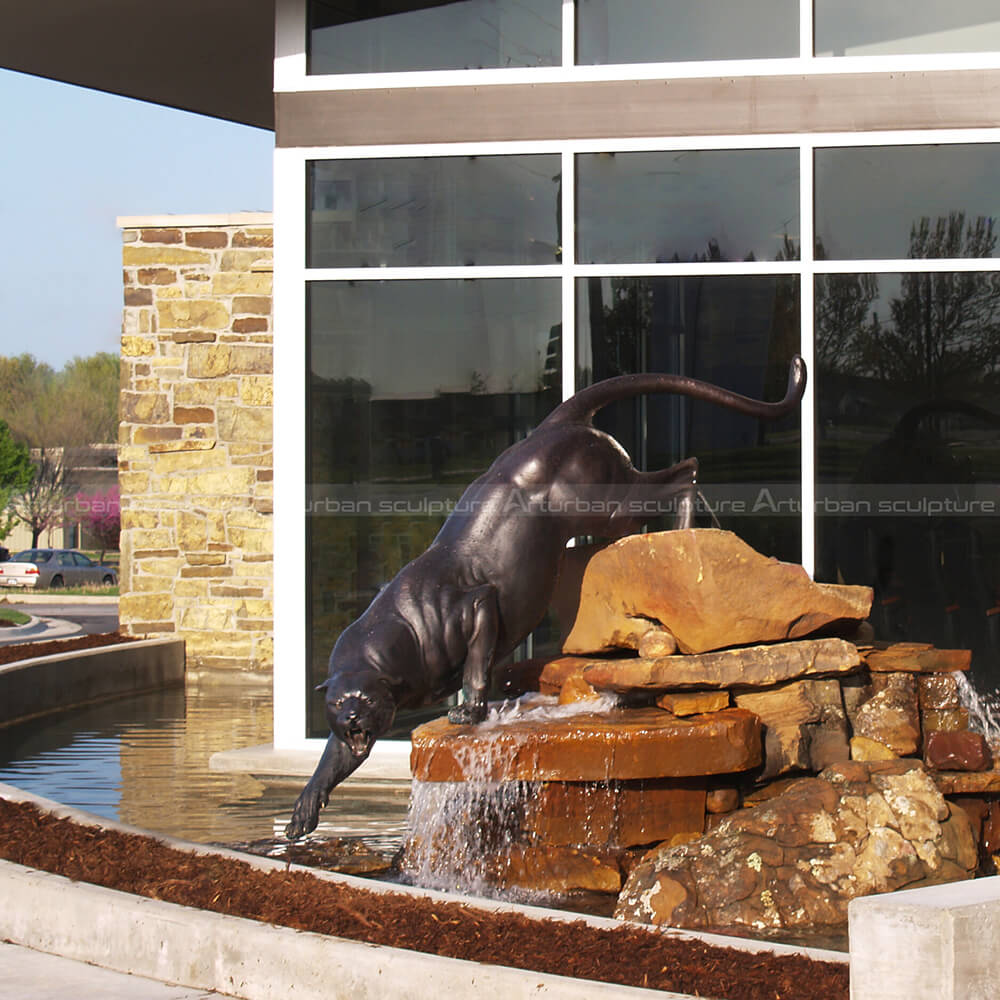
{"x":212,"y":58}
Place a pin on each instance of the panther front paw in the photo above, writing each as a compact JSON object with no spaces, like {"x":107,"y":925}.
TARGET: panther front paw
{"x":305,"y":815}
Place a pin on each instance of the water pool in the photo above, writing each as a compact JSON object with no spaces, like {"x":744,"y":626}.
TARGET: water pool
{"x":143,"y":760}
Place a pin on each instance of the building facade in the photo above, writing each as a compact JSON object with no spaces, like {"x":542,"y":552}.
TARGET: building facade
{"x":482,"y":206}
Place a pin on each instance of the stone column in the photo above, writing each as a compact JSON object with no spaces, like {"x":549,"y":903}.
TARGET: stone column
{"x":195,"y":458}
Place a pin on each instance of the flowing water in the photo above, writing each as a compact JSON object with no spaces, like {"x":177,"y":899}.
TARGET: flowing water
{"x":983,"y":709}
{"x":461,"y":832}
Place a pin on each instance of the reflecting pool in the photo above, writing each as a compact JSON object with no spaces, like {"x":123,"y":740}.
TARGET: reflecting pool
{"x":143,"y":760}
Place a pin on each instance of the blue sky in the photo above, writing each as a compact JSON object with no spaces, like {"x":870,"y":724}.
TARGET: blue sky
{"x":73,"y":160}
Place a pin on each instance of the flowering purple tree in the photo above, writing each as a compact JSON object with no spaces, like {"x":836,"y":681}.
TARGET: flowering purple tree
{"x":101,"y":516}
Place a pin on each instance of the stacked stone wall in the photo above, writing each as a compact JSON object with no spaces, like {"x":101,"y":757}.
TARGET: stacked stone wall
{"x":195,"y":457}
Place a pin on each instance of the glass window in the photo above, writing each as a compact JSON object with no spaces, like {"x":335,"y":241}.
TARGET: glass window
{"x":378,"y":36}
{"x":908,"y":452}
{"x":737,"y":332}
{"x":696,"y":205}
{"x":81,"y":560}
{"x":652,"y":31}
{"x":907,"y":201}
{"x":449,"y":210}
{"x":414,"y":387}
{"x":863,"y":28}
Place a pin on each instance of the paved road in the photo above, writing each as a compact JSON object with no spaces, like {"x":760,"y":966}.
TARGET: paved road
{"x":93,"y":617}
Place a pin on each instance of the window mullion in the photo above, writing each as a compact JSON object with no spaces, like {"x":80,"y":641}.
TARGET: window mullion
{"x":807,"y":350}
{"x":568,"y":262}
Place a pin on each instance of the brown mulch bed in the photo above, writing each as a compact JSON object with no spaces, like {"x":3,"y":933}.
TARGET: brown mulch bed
{"x":29,"y":650}
{"x":629,"y":955}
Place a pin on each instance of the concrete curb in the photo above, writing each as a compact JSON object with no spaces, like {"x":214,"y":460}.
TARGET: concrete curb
{"x":32,"y":625}
{"x":247,"y":959}
{"x":43,"y":684}
{"x":40,"y":630}
{"x":15,"y":596}
{"x":935,"y":943}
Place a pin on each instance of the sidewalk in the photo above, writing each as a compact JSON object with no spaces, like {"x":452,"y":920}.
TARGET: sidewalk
{"x":27,"y":973}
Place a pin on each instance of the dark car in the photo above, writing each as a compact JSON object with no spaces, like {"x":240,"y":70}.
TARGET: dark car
{"x":66,"y":568}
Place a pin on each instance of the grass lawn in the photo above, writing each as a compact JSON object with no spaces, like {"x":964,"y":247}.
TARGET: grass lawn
{"x":88,"y":590}
{"x":15,"y":617}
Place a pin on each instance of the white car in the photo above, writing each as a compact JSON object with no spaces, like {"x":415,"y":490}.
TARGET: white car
{"x":18,"y":574}
{"x":55,"y":568}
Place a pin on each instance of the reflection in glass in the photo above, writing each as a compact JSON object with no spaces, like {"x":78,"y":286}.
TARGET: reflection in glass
{"x":381,"y":36}
{"x":638,"y":31}
{"x":440,"y":210}
{"x":907,"y":201}
{"x":908,"y":452}
{"x":737,"y":332}
{"x":414,"y":388}
{"x":687,"y":205}
{"x":863,"y":28}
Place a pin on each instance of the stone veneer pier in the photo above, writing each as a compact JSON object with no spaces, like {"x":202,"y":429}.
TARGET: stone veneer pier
{"x":195,"y":458}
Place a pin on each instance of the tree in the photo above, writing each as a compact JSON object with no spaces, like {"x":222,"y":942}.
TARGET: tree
{"x":843,"y":303}
{"x":41,"y":505}
{"x":942,"y":328}
{"x":16,"y":472}
{"x":71,"y":408}
{"x":945,"y":326}
{"x":100,"y":513}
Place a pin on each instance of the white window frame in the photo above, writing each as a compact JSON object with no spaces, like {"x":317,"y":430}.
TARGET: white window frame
{"x":291,"y":274}
{"x":291,"y":77}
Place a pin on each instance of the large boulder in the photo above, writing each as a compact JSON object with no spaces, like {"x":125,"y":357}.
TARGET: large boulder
{"x":795,"y":861}
{"x":708,"y":589}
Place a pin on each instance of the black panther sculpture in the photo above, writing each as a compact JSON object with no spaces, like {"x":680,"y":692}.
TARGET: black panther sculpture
{"x":487,"y":578}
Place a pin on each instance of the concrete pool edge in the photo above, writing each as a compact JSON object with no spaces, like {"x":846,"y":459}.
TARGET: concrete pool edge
{"x":43,"y":684}
{"x":24,"y":922}
{"x":247,"y":959}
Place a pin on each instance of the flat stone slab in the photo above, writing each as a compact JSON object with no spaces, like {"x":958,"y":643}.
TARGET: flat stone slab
{"x":916,"y":658}
{"x":967,"y":782}
{"x":708,"y":589}
{"x":750,"y":667}
{"x":624,"y":744}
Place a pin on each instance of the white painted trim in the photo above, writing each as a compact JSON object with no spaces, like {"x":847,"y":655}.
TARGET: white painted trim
{"x":640,"y":270}
{"x":818,"y":66}
{"x":189,"y":221}
{"x":907,"y":265}
{"x":683,"y":269}
{"x":289,"y":453}
{"x":665,"y":143}
{"x":568,"y":237}
{"x":568,"y":33}
{"x":638,"y":144}
{"x":807,"y":410}
{"x":458,"y":272}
